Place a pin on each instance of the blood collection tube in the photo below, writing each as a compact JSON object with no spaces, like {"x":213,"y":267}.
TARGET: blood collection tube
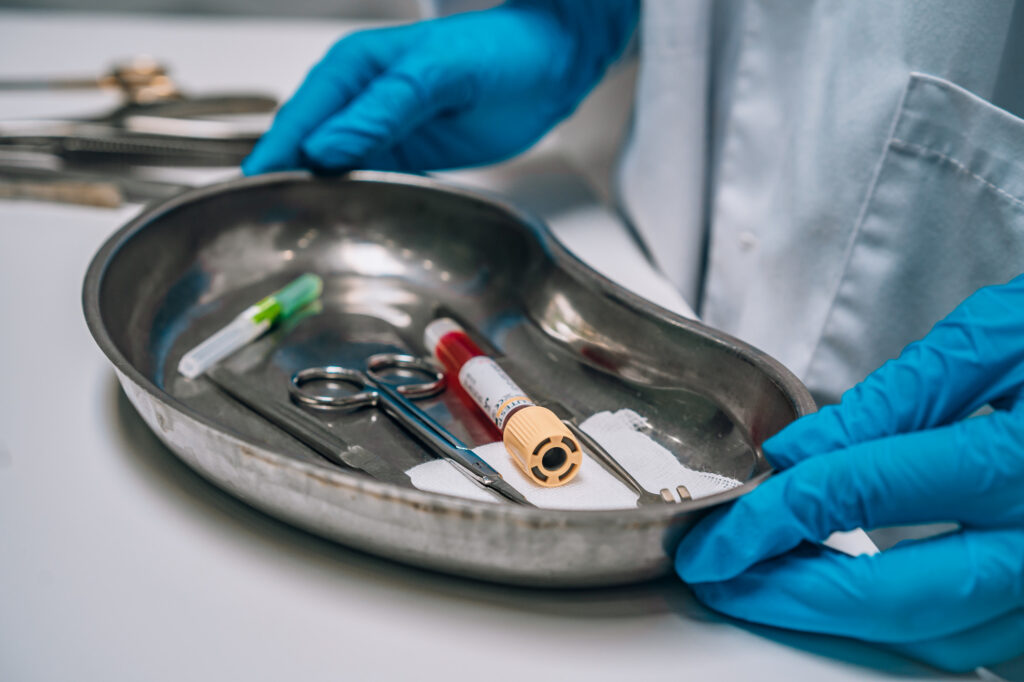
{"x":538,"y":441}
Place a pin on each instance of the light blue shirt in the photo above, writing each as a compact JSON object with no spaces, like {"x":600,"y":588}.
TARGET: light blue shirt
{"x":827,"y":179}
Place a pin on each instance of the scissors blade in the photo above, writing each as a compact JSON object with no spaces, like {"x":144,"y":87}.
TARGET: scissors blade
{"x":505,"y":489}
{"x":444,"y":442}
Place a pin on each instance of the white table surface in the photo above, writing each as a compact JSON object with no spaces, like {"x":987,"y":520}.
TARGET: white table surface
{"x":117,"y":562}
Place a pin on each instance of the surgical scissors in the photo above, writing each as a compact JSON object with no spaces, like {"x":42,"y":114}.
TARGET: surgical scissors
{"x":396,"y":400}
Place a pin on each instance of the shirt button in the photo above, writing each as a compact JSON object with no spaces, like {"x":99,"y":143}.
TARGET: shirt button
{"x":748,"y":241}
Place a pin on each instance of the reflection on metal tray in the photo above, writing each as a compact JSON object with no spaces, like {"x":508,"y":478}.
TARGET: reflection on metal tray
{"x":395,"y":251}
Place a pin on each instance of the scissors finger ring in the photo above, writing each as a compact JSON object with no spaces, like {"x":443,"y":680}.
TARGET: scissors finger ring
{"x":381,"y":362}
{"x":331,"y":373}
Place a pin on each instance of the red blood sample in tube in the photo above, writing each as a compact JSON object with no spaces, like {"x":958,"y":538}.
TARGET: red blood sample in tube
{"x":538,"y":441}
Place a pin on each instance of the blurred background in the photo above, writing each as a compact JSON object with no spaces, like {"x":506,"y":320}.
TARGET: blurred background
{"x":211,"y":47}
{"x":346,"y":9}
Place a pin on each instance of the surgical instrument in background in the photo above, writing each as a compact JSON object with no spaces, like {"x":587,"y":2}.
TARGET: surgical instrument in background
{"x":141,"y":80}
{"x":156,"y":124}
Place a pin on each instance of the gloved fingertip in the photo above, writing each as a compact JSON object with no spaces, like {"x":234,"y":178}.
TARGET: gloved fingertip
{"x":328,"y":152}
{"x":810,"y":435}
{"x":939,"y":655}
{"x":251,"y":166}
{"x":691,"y":565}
{"x":711,"y":594}
{"x":781,"y":450}
{"x":389,"y":160}
{"x":706,"y":553}
{"x":269,"y":155}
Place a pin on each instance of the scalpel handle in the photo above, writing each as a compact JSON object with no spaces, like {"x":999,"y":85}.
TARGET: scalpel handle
{"x":304,"y":427}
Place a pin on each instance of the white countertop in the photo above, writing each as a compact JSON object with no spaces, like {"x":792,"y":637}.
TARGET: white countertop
{"x":117,"y":562}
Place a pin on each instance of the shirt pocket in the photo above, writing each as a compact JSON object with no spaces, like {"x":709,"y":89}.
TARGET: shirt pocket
{"x":944,"y":216}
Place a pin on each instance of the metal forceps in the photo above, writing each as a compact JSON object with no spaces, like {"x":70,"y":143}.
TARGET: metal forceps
{"x":396,"y":400}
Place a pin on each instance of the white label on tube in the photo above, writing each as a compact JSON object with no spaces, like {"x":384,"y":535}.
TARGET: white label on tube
{"x":490,"y":388}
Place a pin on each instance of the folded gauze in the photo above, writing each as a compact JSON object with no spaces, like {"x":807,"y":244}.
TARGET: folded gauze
{"x":621,"y":433}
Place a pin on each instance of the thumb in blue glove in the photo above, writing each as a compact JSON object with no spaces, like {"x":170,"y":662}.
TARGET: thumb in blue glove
{"x":464,"y":90}
{"x":896,"y":450}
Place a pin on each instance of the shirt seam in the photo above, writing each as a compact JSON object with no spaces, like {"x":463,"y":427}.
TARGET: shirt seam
{"x":808,"y":368}
{"x":926,"y":151}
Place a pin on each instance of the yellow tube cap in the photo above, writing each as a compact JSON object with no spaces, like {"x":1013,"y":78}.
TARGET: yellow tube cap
{"x":542,"y":446}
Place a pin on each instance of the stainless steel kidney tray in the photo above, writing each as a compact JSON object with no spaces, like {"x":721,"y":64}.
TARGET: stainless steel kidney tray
{"x":395,"y":251}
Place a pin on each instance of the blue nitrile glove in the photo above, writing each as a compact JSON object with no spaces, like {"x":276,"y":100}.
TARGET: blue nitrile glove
{"x":898,"y":449}
{"x":464,"y":90}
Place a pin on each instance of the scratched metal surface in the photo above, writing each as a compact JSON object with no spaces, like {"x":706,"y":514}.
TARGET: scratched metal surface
{"x":394,"y":251}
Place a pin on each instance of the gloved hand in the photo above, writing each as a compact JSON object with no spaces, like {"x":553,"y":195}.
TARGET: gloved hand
{"x":898,"y":449}
{"x":464,"y":90}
